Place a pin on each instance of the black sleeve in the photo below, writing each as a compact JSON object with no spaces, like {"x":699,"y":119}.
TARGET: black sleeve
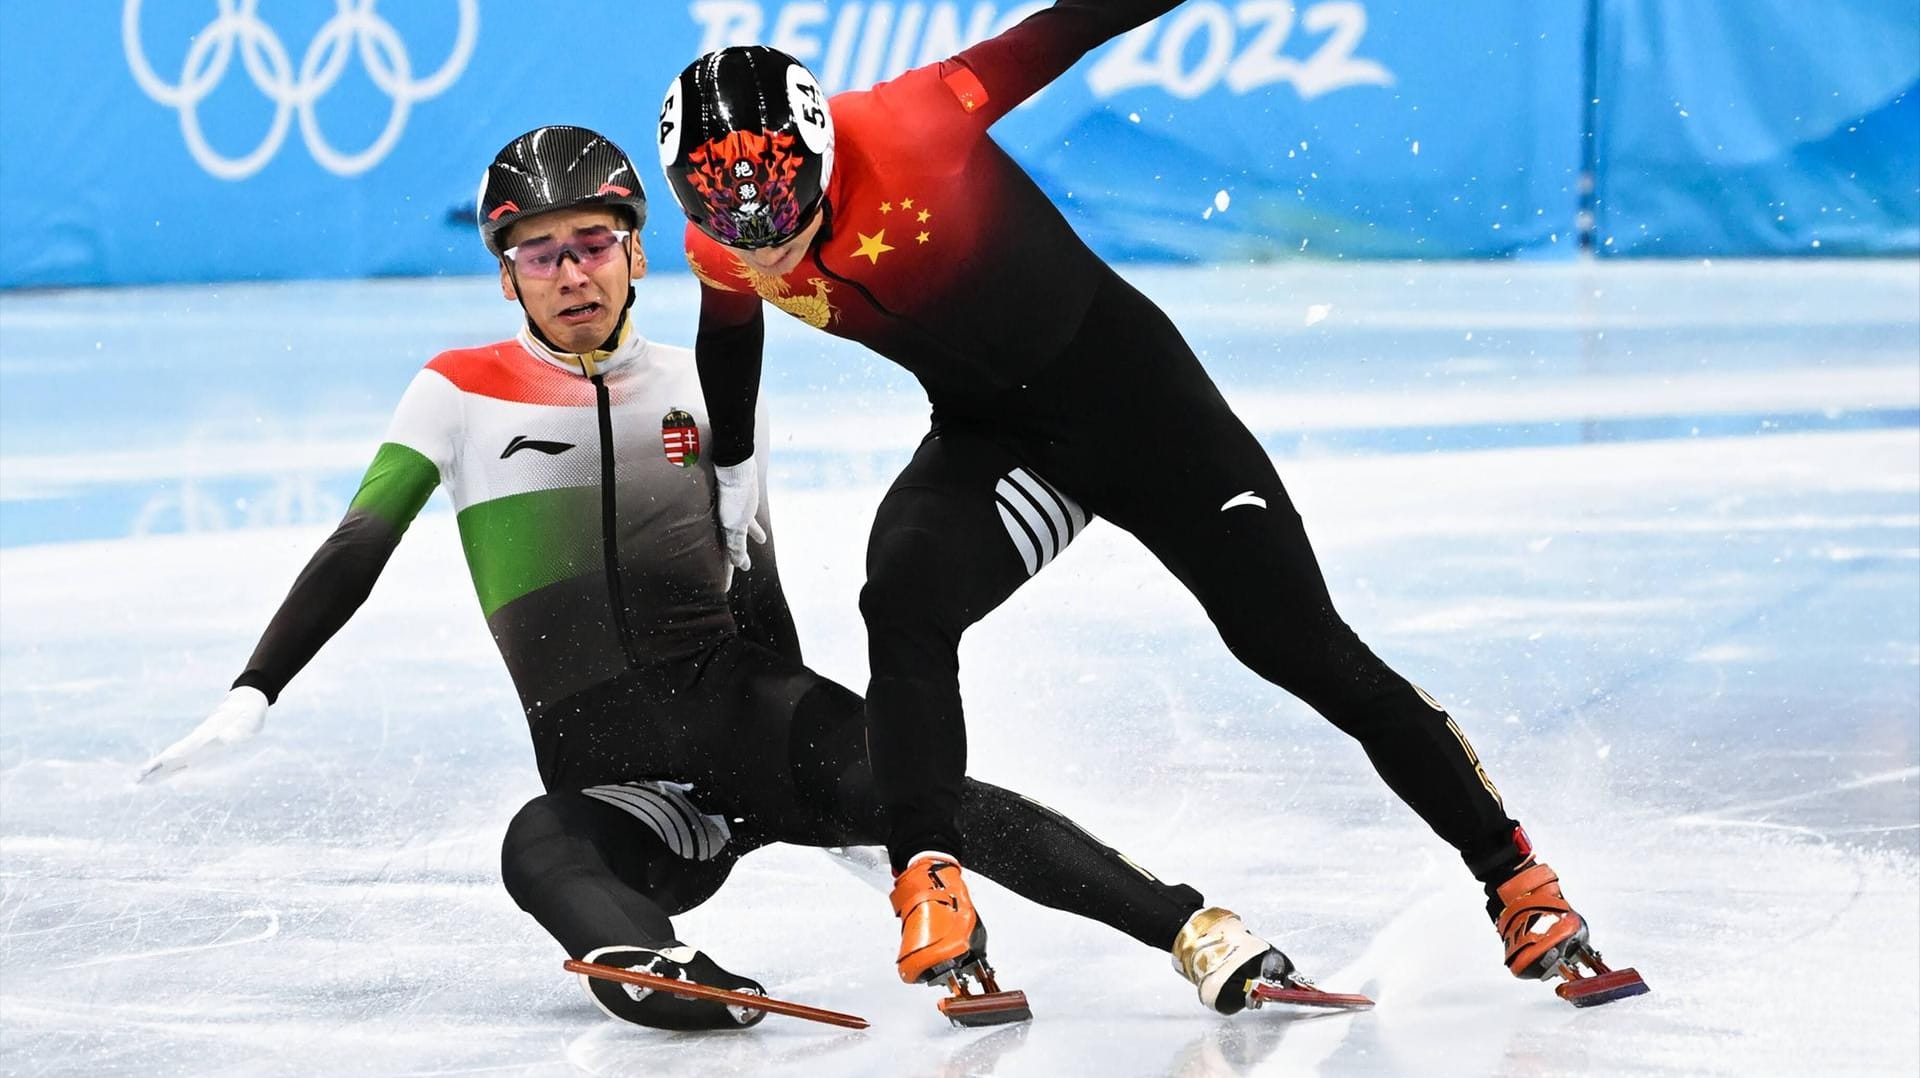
{"x":728,"y":357}
{"x":325,"y":594}
{"x":760,"y":607}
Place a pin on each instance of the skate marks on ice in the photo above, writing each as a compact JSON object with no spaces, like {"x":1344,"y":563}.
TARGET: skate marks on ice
{"x":1433,"y":987}
{"x":238,"y":922}
{"x":268,"y":922}
{"x":1769,"y":914}
{"x":1744,"y":814}
{"x":616,"y":1049}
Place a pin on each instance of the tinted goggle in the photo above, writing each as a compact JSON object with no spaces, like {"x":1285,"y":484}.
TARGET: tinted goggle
{"x":590,"y":248}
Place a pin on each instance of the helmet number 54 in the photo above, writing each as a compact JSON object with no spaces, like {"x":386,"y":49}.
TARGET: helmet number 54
{"x":669,"y":141}
{"x":809,"y":110}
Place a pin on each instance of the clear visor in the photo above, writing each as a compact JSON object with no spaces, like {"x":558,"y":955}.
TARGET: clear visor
{"x":590,"y":248}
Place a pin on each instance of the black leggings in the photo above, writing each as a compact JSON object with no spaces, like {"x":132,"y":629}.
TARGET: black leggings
{"x":1127,"y":426}
{"x":777,"y":753}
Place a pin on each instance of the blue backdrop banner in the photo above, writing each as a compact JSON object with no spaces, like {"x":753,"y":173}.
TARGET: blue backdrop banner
{"x":1757,"y":127}
{"x":231,"y":139}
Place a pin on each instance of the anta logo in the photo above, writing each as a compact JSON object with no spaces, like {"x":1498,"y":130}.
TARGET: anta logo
{"x":521,"y":441}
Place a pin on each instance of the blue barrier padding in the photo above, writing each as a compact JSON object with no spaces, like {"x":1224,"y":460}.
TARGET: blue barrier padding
{"x":150,"y":141}
{"x":160,"y":142}
{"x":1758,"y":127}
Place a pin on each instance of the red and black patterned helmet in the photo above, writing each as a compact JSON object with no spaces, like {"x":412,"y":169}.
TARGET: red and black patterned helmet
{"x":555,"y":168}
{"x":747,"y":144}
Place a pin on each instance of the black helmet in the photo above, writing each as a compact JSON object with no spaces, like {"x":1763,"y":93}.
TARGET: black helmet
{"x":553,"y":168}
{"x":747,"y":144}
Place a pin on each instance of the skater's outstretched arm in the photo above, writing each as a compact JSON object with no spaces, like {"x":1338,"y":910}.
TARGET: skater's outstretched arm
{"x":340,"y":574}
{"x":1014,"y":65}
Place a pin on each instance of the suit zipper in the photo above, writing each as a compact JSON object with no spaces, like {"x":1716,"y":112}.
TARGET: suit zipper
{"x":609,"y":533}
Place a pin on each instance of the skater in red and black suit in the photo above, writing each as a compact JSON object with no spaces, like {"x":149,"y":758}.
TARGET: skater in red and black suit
{"x":889,"y":217}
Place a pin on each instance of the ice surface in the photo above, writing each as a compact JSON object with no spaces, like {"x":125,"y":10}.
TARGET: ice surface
{"x":1651,"y":531}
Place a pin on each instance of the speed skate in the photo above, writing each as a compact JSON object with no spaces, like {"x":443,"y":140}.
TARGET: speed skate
{"x":1545,"y":938}
{"x":1295,"y":990}
{"x":1600,"y":985}
{"x":693,"y":990}
{"x":989,"y":1006}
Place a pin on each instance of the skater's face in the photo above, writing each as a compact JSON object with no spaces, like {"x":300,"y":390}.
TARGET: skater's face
{"x":780,"y":261}
{"x":570,"y":270}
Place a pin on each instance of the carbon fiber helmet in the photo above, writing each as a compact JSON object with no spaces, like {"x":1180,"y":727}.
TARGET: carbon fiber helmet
{"x":554,"y":168}
{"x":747,"y":144}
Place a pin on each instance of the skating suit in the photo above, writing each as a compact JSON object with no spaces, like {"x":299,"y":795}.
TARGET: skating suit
{"x":583,"y":503}
{"x":673,"y":723}
{"x":1059,"y":394}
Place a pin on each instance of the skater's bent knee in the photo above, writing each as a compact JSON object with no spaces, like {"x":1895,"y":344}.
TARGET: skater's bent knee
{"x":900,"y":567}
{"x":523,"y":850}
{"x":901,"y":618}
{"x":883,"y":601}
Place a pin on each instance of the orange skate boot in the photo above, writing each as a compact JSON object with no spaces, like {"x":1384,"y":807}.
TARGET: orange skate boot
{"x":1544,"y":938}
{"x":943,"y":942}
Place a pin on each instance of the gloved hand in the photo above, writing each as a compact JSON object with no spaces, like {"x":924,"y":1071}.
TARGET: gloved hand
{"x":239,"y":717}
{"x":739,"y":502}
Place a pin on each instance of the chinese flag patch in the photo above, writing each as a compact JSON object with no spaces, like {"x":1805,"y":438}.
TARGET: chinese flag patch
{"x":966,"y":86}
{"x":680,"y":437}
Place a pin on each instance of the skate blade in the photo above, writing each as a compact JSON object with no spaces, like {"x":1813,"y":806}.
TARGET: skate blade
{"x":690,"y":990}
{"x":1307,"y":997}
{"x":1592,"y":991}
{"x":1603,"y":985}
{"x":991,"y":1007}
{"x":987,"y":1009}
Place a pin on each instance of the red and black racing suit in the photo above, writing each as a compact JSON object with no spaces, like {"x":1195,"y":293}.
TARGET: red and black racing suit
{"x":1052,"y":382}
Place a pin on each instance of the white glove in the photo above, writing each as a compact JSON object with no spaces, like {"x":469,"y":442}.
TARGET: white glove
{"x":739,"y":502}
{"x":239,"y":717}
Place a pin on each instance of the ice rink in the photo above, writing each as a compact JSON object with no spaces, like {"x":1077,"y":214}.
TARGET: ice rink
{"x":1651,"y":531}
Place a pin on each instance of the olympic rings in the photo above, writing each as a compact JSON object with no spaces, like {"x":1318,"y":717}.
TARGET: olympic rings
{"x":355,"y":28}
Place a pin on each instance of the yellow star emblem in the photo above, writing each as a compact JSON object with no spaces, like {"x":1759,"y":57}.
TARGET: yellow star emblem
{"x":872,"y":247}
{"x":886,"y":207}
{"x":924,"y":214}
{"x":922,"y":238}
{"x":906,"y":203}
